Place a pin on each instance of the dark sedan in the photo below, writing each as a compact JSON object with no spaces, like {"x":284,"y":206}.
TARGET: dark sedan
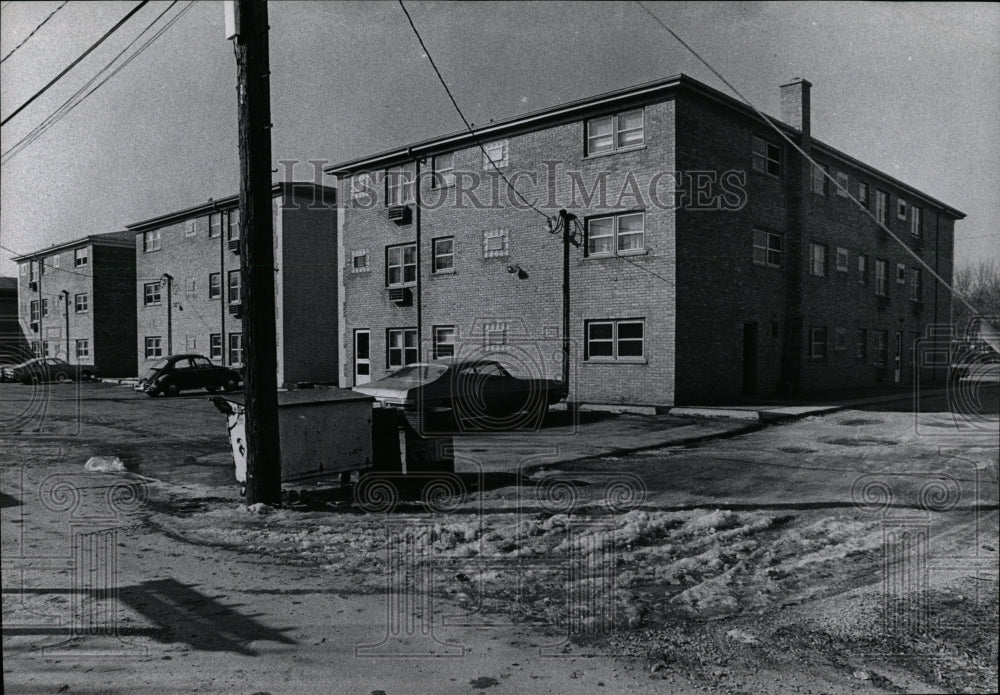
{"x":469,"y":388}
{"x":42,"y":369}
{"x":177,"y":373}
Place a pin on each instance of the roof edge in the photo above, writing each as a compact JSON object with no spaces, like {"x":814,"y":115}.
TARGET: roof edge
{"x":120,"y":239}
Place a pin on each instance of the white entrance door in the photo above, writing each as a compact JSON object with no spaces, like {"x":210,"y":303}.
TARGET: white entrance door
{"x":362,"y":357}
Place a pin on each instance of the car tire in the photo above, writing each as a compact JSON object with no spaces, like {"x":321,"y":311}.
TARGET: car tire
{"x":62,"y":377}
{"x":211,"y":389}
{"x":152,"y":393}
{"x":231,"y":384}
{"x":171,"y":389}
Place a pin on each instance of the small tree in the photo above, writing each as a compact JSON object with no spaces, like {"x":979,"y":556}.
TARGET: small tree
{"x":978,"y":285}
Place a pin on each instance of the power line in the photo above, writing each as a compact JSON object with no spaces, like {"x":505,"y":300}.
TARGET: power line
{"x":468,"y":125}
{"x":51,"y":14}
{"x":55,"y":79}
{"x":76,"y":99}
{"x":811,"y":161}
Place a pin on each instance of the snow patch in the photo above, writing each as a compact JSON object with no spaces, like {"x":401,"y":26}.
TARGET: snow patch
{"x":104,"y":464}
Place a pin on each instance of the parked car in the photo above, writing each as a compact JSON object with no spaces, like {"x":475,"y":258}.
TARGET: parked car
{"x":41,"y":369}
{"x":185,"y":372}
{"x":469,"y":388}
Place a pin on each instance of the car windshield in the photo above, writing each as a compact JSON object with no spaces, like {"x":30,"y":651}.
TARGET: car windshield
{"x":419,"y":373}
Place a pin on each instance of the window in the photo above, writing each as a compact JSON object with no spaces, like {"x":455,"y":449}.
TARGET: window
{"x":45,"y":308}
{"x":359,"y":261}
{"x":233,"y":229}
{"x":820,"y":185}
{"x":613,"y":133}
{"x":214,"y":225}
{"x":817,"y":342}
{"x":151,"y":293}
{"x":81,"y":302}
{"x":444,"y":341}
{"x":901,"y":208}
{"x":191,"y":228}
{"x":496,"y":152}
{"x":401,"y":347}
{"x":235,"y":287}
{"x":24,"y":268}
{"x":817,"y":260}
{"x":55,"y":261}
{"x":36,"y":348}
{"x":215,"y":346}
{"x":842,"y":259}
{"x":400,"y":265}
{"x":151,"y":241}
{"x":443,"y":257}
{"x":607,"y":236}
{"x":81,"y":257}
{"x":189,"y":285}
{"x":50,"y":348}
{"x":214,"y":285}
{"x":767,"y":248}
{"x":444,"y":170}
{"x":863,"y":194}
{"x":839,"y":339}
{"x":766,"y":156}
{"x":916,"y":221}
{"x":916,"y":285}
{"x":398,"y":186}
{"x":882,"y":207}
{"x":861,"y":344}
{"x":235,"y":348}
{"x":881,"y":277}
{"x":620,"y":339}
{"x":34,"y":311}
{"x":190,"y":342}
{"x":495,"y":243}
{"x":862,"y":269}
{"x":900,"y":273}
{"x":880,"y":346}
{"x":154,"y":346}
{"x":83,"y":349}
{"x":843,"y":181}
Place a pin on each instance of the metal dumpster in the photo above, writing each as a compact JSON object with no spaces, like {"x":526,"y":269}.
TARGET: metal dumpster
{"x":324,"y":431}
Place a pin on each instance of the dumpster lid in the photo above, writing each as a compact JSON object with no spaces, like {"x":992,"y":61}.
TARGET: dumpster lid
{"x":293,"y":397}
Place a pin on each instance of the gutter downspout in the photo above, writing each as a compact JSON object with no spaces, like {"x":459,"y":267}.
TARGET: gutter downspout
{"x":416,"y":217}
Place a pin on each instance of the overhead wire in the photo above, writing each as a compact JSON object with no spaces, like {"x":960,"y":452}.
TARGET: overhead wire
{"x":28,"y":37}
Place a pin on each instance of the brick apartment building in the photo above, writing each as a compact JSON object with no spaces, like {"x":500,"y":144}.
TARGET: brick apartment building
{"x":189,"y":283}
{"x":714,"y":261}
{"x":75,"y":301}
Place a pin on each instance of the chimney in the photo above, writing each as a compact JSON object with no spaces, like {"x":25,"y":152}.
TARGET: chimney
{"x":795,"y":104}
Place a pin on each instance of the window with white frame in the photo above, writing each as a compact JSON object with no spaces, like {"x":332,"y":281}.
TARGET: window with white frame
{"x":401,"y":347}
{"x":154,"y":346}
{"x":839,"y":339}
{"x":81,"y":257}
{"x":622,"y":131}
{"x":81,"y":302}
{"x":614,"y":234}
{"x":901,"y":208}
{"x":444,"y":170}
{"x":443,"y":255}
{"x":916,"y":221}
{"x":24,"y":268}
{"x":400,"y":265}
{"x":496,"y":154}
{"x":882,"y":207}
{"x":362,"y":186}
{"x":863,"y":193}
{"x":861,"y":344}
{"x":215,"y":346}
{"x":235,"y":286}
{"x":235,"y":348}
{"x":817,"y":342}
{"x":214,"y":285}
{"x":767,"y":248}
{"x":900,"y":273}
{"x":359,"y":261}
{"x":862,"y":269}
{"x":190,"y":342}
{"x":842,"y":259}
{"x":33,"y":311}
{"x":843,"y":181}
{"x":233,"y":225}
{"x":399,"y":186}
{"x":215,"y":225}
{"x":82,"y":349}
{"x":45,"y":308}
{"x":55,"y":261}
{"x":151,"y":293}
{"x":189,"y":284}
{"x":881,"y":277}
{"x":820,"y":185}
{"x":444,"y":341}
{"x":916,"y":285}
{"x":817,"y":259}
{"x":766,"y":156}
{"x":151,"y":241}
{"x":191,"y":228}
{"x":615,"y":340}
{"x":880,"y":346}
{"x":495,"y":243}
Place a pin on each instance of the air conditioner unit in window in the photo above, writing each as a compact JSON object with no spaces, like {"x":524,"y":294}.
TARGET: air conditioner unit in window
{"x":401,"y":296}
{"x":34,"y":326}
{"x":400,"y":214}
{"x":33,"y":285}
{"x":236,"y":309}
{"x":234,"y":246}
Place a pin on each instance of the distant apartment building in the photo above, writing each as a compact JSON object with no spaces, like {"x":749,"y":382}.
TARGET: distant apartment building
{"x":713,"y":261}
{"x":75,"y":302}
{"x":190,"y":288}
{"x":14,"y":346}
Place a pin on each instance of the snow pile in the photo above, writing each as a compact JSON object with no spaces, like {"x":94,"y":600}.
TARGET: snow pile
{"x":104,"y":464}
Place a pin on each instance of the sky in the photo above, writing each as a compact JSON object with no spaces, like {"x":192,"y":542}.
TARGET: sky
{"x":909,"y":88}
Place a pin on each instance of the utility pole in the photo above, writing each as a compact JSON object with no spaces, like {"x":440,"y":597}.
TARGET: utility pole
{"x":168,"y":280}
{"x":568,"y":238}
{"x":260,"y":379}
{"x":65,"y":294}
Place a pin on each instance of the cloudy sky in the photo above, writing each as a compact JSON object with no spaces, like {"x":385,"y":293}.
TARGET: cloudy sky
{"x":909,"y":88}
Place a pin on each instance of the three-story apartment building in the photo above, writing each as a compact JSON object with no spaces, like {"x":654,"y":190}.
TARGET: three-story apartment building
{"x":75,"y":301}
{"x":190,"y":286}
{"x":712,"y":259}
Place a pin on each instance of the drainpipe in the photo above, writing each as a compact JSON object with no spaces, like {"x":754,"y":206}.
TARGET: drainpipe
{"x":416,"y":218}
{"x":65,"y":294}
{"x":168,"y":279}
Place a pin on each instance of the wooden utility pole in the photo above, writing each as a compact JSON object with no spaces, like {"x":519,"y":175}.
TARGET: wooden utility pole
{"x":567,"y":237}
{"x":65,"y":294}
{"x":260,"y":379}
